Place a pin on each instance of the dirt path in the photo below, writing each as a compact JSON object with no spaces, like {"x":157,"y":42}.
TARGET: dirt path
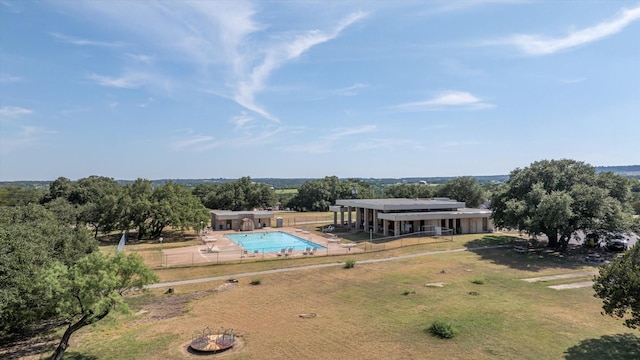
{"x":249,"y":274}
{"x":572,"y":285}
{"x":560,"y":277}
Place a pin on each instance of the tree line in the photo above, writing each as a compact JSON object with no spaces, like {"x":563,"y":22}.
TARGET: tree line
{"x":52,"y":274}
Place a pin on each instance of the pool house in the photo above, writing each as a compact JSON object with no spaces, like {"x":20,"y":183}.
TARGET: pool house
{"x":240,"y":220}
{"x":394,"y":217}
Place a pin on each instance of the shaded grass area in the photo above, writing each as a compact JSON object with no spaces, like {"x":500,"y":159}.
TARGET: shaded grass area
{"x":614,"y":347}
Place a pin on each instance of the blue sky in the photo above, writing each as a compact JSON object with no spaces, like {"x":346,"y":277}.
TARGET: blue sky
{"x":208,"y":89}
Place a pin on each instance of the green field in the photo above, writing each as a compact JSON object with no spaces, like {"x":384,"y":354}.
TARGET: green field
{"x":373,"y":311}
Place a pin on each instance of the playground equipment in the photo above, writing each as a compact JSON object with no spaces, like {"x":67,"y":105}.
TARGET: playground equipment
{"x":210,"y":342}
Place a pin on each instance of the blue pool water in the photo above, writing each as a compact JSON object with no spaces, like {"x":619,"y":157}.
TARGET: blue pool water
{"x":271,"y":241}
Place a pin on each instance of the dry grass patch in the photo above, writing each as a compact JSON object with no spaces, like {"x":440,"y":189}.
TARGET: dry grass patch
{"x":362,"y":314}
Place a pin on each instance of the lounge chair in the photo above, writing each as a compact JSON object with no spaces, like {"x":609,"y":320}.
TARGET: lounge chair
{"x":289,"y":252}
{"x":283,"y":252}
{"x":307,"y":251}
{"x":329,"y":228}
{"x":313,"y":251}
{"x":245,"y":253}
{"x":254,"y":253}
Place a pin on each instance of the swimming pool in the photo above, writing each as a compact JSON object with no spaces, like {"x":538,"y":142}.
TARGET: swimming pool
{"x":271,"y":241}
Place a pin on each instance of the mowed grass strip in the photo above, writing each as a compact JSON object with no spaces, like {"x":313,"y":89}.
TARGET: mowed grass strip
{"x":363,"y":314}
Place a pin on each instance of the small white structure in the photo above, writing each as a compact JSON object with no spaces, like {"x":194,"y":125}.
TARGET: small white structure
{"x":240,"y":220}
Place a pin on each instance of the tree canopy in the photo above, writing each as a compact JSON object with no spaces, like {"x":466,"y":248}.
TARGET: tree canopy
{"x":242,"y":194}
{"x":87,"y":291}
{"x":559,"y":198}
{"x":32,"y":240}
{"x":463,"y":188}
{"x":318,"y":195}
{"x":409,"y":191}
{"x":618,"y":285}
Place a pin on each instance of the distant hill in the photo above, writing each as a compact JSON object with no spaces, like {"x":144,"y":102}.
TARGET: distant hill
{"x":632,"y":171}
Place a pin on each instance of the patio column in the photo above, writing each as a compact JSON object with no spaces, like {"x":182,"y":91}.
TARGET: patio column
{"x":396,"y":228}
{"x":335,"y":218}
{"x":385,"y":227}
{"x":358,"y":219}
{"x":349,"y":217}
{"x":375,"y":221}
{"x":366,"y":220}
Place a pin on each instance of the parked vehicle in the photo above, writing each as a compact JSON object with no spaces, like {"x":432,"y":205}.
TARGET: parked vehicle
{"x":617,"y":244}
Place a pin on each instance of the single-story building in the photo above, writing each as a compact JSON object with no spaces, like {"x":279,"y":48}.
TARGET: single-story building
{"x":240,"y":220}
{"x":402,"y":216}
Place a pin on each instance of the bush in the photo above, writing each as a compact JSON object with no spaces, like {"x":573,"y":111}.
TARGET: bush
{"x":349,"y":264}
{"x":408,"y":292}
{"x":255,"y":282}
{"x":442,"y":329}
{"x":478,"y":281}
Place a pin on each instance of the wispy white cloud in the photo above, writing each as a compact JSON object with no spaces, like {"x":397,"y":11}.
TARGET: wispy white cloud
{"x":8,"y":78}
{"x":13,"y":111}
{"x":83,"y":42}
{"x":240,"y":121}
{"x":537,"y":45}
{"x":141,"y":58}
{"x":192,"y":142}
{"x":314,"y":147}
{"x":132,"y":80}
{"x":351,"y":90}
{"x":447,"y":100}
{"x":252,"y":80}
{"x":340,"y":133}
{"x":325,"y":143}
{"x":127,"y":82}
{"x":24,"y":137}
{"x":445,"y":6}
{"x":148,"y":102}
{"x":221,"y":37}
{"x":387,"y":144}
{"x":10,"y":6}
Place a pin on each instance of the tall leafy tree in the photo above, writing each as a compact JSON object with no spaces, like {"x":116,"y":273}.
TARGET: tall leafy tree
{"x":409,"y":191}
{"x":90,"y":289}
{"x":319,"y":194}
{"x":559,"y":198}
{"x":31,"y":240}
{"x":618,"y":285}
{"x":173,"y":205}
{"x":463,"y":188}
{"x":242,"y":194}
{"x":134,"y":207}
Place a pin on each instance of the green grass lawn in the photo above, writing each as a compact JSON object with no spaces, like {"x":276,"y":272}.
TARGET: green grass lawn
{"x":380,"y":311}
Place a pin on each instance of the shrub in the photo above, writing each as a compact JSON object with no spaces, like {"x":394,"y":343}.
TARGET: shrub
{"x":255,"y":282}
{"x":349,"y":264}
{"x":442,"y":329}
{"x":408,"y":292}
{"x":478,"y":281}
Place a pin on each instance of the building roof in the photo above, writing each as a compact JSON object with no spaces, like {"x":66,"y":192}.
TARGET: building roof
{"x":229,"y":214}
{"x":403,"y":204}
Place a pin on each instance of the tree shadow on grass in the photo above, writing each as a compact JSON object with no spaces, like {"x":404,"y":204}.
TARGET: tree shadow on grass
{"x":614,"y":347}
{"x":537,"y":260}
{"x":72,"y":355}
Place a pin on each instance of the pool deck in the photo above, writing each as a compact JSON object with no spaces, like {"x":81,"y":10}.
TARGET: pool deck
{"x":226,"y":250}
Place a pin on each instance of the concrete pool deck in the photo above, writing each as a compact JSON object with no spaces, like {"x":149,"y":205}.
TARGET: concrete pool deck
{"x":227,"y":250}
